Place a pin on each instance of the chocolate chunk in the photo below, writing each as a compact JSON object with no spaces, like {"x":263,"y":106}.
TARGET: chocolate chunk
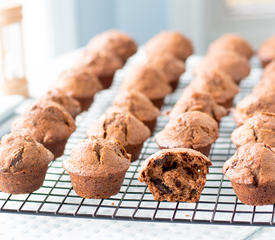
{"x":17,"y":158}
{"x":158,"y":184}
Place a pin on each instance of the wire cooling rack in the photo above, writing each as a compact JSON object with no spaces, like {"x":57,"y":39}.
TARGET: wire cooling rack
{"x":218,"y":203}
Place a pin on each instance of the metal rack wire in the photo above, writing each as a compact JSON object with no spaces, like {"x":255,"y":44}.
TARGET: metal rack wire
{"x":218,"y":203}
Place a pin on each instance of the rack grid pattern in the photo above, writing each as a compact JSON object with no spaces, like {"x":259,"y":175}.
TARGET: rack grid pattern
{"x":218,"y":203}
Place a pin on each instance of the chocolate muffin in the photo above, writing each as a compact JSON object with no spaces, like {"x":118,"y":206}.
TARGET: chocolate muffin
{"x":117,"y":42}
{"x":191,"y":100}
{"x":266,"y":51}
{"x":253,"y":103}
{"x":218,"y":84}
{"x":171,"y":66}
{"x":97,"y":167}
{"x":251,"y":172}
{"x":79,"y":84}
{"x":124,"y":127}
{"x":259,"y":128}
{"x":60,"y":97}
{"x":175,"y":174}
{"x":102,"y":64}
{"x":196,"y":130}
{"x":229,"y":62}
{"x":234,"y":43}
{"x":170,"y":42}
{"x":48,"y":123}
{"x":139,"y":105}
{"x":23,"y":164}
{"x":149,"y":81}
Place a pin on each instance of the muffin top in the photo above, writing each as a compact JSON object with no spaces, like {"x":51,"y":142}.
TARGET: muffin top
{"x":119,"y":125}
{"x":170,"y":42}
{"x":232,"y":42}
{"x":267,"y":84}
{"x":99,"y":63}
{"x":147,"y":80}
{"x":137,"y":104}
{"x":117,"y":42}
{"x":216,"y":83}
{"x":229,"y":62}
{"x":46,"y":122}
{"x":264,"y":102}
{"x":78,"y":83}
{"x":191,"y":100}
{"x":252,"y":164}
{"x":190,"y":129}
{"x":97,"y":157}
{"x":20,"y":152}
{"x":258,"y":128}
{"x":60,"y":97}
{"x":266,"y":51}
{"x":269,"y":70}
{"x":171,"y":66}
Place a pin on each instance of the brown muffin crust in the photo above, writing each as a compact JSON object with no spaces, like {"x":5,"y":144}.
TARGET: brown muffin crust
{"x":266,"y":51}
{"x":269,"y":70}
{"x":251,"y":172}
{"x":232,"y":42}
{"x":229,"y":62}
{"x":97,"y":167}
{"x":175,"y":174}
{"x":48,"y":123}
{"x":117,"y":42}
{"x":218,"y":84}
{"x":170,"y":42}
{"x":191,"y":100}
{"x":196,"y":130}
{"x":23,"y":164}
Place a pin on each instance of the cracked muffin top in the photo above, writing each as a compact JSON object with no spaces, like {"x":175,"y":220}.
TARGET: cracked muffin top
{"x":216,"y":83}
{"x":46,"y":122}
{"x":97,"y":157}
{"x":190,"y":129}
{"x":119,"y":125}
{"x":147,"y":80}
{"x":137,"y":104}
{"x":258,"y":128}
{"x":20,"y":152}
{"x":78,"y":83}
{"x":171,"y":66}
{"x":191,"y":100}
{"x":170,"y":42}
{"x":117,"y":42}
{"x":232,"y":42}
{"x":252,"y":164}
{"x":266,"y":51}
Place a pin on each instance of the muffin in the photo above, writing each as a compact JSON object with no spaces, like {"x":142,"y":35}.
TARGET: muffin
{"x":124,"y":127}
{"x":79,"y":84}
{"x":48,"y":123}
{"x":196,"y":130}
{"x":70,"y":104}
{"x":114,"y":41}
{"x":270,"y":69}
{"x":266,"y":51}
{"x":23,"y":164}
{"x":217,"y":84}
{"x":251,"y":173}
{"x":229,"y":62}
{"x":171,"y":66}
{"x":97,"y":167}
{"x":234,"y":43}
{"x":253,"y":103}
{"x":175,"y":174}
{"x":139,"y":105}
{"x":267,"y":84}
{"x":102,"y":64}
{"x":191,"y":100}
{"x":149,"y":81}
{"x":170,"y":42}
{"x":259,"y":128}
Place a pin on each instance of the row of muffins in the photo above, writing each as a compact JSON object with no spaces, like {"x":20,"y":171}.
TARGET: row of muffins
{"x":129,"y":122}
{"x":41,"y":133}
{"x":178,"y":172}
